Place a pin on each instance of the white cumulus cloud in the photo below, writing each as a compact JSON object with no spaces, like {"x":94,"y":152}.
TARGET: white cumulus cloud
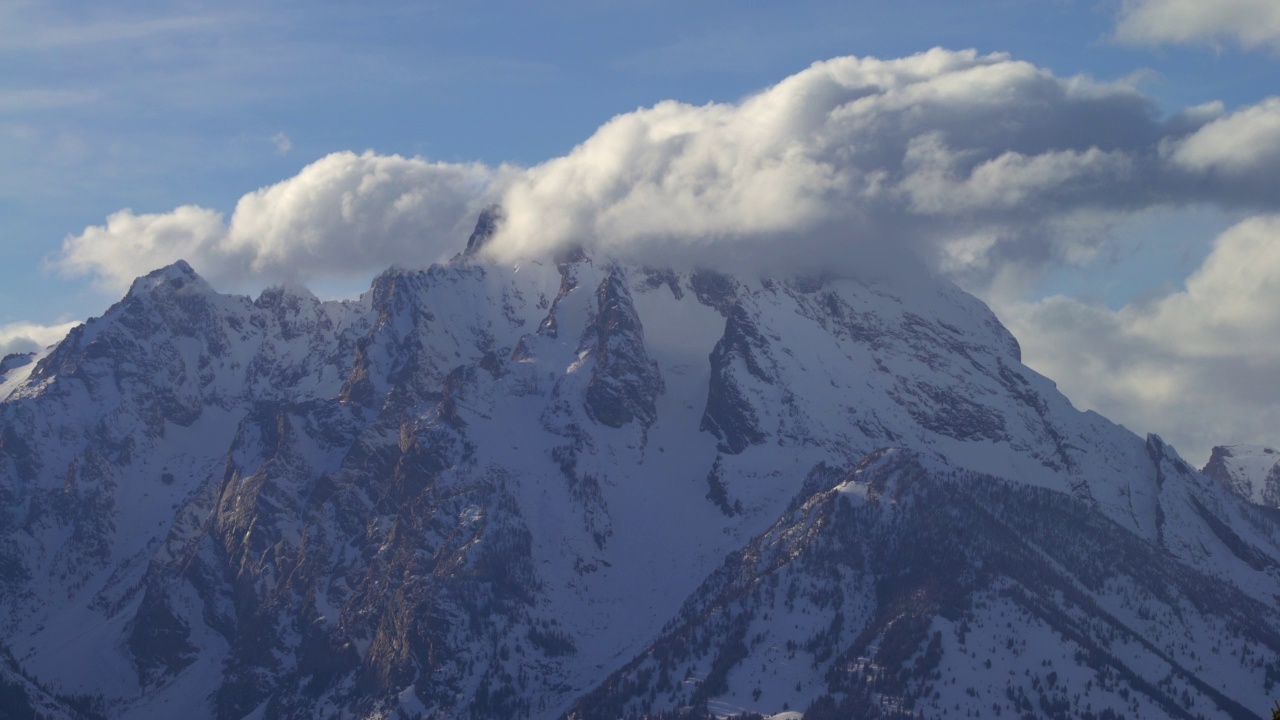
{"x":129,"y":245}
{"x":847,"y":157}
{"x":985,"y":166}
{"x":30,"y":337}
{"x":349,"y":212}
{"x":345,"y":215}
{"x":1244,"y":143}
{"x":1250,"y":23}
{"x":1200,"y":364}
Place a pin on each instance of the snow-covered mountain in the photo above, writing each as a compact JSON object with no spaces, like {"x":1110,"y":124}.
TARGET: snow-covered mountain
{"x":1251,"y":471}
{"x":575,"y":487}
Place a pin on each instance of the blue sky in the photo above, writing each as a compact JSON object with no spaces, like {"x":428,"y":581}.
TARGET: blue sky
{"x":154,"y":106}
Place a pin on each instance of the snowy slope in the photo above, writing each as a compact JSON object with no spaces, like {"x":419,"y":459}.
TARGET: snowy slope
{"x":480,"y":491}
{"x":909,"y":586}
{"x":21,"y":698}
{"x":106,"y":437}
{"x":1251,"y":471}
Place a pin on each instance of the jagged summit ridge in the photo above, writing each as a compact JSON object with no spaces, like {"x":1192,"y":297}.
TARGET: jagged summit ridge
{"x":506,"y":491}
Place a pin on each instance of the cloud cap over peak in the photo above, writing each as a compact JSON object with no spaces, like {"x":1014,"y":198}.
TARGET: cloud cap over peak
{"x":975,"y":163}
{"x":850,"y":159}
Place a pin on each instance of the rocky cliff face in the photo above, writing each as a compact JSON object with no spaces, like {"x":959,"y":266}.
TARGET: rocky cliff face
{"x":578,"y":487}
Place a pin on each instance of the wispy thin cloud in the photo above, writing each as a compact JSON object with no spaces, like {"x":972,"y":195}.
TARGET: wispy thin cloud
{"x":282,"y":142}
{"x":34,"y":99}
{"x":51,"y":37}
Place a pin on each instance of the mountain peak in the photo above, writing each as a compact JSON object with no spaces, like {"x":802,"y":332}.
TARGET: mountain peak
{"x":1250,"y":471}
{"x":486,"y":227}
{"x":175,"y":276}
{"x":284,"y":294}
